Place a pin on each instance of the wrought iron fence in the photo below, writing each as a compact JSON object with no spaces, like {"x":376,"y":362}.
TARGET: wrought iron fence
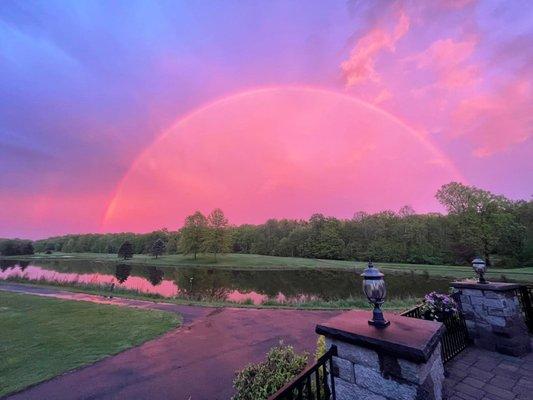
{"x":525,"y":297}
{"x":313,"y":383}
{"x":455,"y":338}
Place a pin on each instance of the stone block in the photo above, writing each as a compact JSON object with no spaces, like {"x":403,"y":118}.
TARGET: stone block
{"x":356,"y":354}
{"x":496,"y":321}
{"x":432,"y":387}
{"x":494,"y":295}
{"x":477,"y":300}
{"x":472,"y":292}
{"x":417,"y":373}
{"x":495,"y":303}
{"x":348,"y":391}
{"x":465,"y":299}
{"x":372,"y":380}
{"x":343,"y":369}
{"x":500,"y":312}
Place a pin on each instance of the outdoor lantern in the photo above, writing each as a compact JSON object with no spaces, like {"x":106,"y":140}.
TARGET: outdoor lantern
{"x":480,"y":268}
{"x":375,"y":291}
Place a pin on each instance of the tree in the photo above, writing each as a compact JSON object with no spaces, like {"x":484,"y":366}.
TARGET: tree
{"x":126,"y":250}
{"x":217,"y":239}
{"x":482,"y":219}
{"x":172,"y":244}
{"x":158,"y":248}
{"x":193,"y":234}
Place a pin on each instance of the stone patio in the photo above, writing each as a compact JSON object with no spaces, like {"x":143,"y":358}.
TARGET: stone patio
{"x":478,"y":374}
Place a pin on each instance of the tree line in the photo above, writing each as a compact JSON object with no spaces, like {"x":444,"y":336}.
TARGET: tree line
{"x":477,"y":223}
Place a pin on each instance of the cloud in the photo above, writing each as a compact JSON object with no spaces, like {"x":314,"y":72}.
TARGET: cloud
{"x":496,"y":121}
{"x":461,"y":71}
{"x":448,"y":60}
{"x":360,"y":66}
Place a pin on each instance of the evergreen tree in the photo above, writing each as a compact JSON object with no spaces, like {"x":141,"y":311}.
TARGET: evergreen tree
{"x":126,"y":250}
{"x":158,"y":248}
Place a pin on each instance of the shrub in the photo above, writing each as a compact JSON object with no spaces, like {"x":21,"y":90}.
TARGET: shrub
{"x":320,"y":347}
{"x":437,"y":305}
{"x":261,"y":380}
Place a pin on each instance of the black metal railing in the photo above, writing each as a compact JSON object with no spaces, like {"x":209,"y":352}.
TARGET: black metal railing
{"x":525,"y":297}
{"x":455,"y":338}
{"x":313,"y":383}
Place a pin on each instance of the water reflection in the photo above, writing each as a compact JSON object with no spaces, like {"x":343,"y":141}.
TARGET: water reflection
{"x":212,"y":284}
{"x":122,"y":272}
{"x":154,"y":275}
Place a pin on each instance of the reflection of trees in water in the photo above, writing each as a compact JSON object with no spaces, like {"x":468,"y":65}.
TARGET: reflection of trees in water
{"x":154,"y":275}
{"x":216,"y":284}
{"x":295,"y":284}
{"x":202,"y":284}
{"x":23,"y":265}
{"x":5,"y":264}
{"x":122,"y":272}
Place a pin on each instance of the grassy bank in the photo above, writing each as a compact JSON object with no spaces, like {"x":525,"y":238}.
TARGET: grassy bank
{"x":43,"y":337}
{"x":349,"y":303}
{"x":245,"y":261}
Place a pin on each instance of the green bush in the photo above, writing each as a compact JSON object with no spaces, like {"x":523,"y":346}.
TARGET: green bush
{"x":261,"y":380}
{"x":320,"y":347}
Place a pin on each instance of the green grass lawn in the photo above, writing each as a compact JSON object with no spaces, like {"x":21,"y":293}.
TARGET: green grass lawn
{"x":42,"y":337}
{"x":244,"y":261}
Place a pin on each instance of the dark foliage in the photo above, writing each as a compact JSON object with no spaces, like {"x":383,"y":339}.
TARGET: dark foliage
{"x":158,"y":248}
{"x":126,"y":250}
{"x":15,"y":247}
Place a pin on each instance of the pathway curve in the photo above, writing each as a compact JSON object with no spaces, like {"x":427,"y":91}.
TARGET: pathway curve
{"x":194,"y":362}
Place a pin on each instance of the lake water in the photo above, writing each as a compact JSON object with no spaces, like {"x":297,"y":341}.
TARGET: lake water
{"x":199,"y":283}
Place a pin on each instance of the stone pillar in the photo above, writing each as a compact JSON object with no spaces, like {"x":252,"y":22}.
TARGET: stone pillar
{"x":400,"y":362}
{"x":494,"y":316}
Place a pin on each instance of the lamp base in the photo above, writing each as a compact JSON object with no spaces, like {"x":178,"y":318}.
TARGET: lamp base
{"x":379,"y":323}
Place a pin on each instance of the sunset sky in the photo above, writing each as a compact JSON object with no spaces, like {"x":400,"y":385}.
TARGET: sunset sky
{"x":129,"y":115}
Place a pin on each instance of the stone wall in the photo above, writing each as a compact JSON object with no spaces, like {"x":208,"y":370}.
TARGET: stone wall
{"x":494,"y":318}
{"x":365,"y":374}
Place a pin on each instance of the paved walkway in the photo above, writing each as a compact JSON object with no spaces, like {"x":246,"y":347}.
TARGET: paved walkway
{"x":477,"y":374}
{"x":194,"y":362}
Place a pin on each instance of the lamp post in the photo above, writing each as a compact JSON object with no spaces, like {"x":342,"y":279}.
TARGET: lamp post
{"x":375,"y":291}
{"x":480,"y":267}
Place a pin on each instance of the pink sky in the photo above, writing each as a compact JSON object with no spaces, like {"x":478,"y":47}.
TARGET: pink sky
{"x":265,"y":109}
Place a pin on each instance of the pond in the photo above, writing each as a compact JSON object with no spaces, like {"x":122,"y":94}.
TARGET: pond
{"x":214,"y":284}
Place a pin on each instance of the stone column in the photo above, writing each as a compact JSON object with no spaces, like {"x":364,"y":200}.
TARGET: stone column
{"x":400,"y":362}
{"x":494,"y":316}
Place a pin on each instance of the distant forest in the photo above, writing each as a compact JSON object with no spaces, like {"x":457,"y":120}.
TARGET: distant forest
{"x":478,"y":223}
